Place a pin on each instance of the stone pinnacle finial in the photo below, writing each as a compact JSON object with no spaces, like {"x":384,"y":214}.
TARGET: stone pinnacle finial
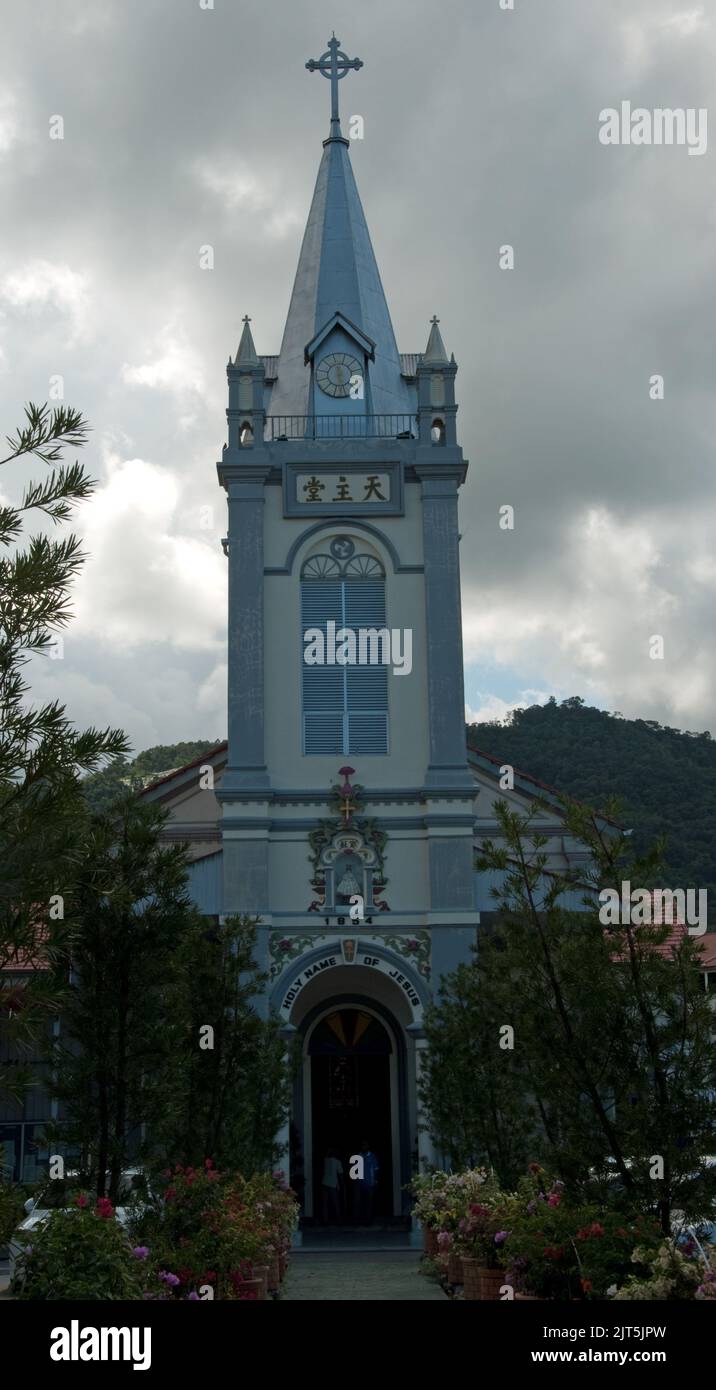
{"x":246,"y":355}
{"x":435,"y":354}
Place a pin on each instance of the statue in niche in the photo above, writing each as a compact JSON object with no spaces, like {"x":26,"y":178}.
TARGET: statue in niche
{"x":348,"y":885}
{"x":347,"y":854}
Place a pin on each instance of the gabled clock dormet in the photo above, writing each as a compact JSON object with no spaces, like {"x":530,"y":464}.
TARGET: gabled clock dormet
{"x":339,"y":354}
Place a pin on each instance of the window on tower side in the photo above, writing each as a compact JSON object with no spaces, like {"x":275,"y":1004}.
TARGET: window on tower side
{"x":345,"y":707}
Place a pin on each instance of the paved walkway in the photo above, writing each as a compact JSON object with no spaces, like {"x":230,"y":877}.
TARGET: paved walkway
{"x":353,"y":1275}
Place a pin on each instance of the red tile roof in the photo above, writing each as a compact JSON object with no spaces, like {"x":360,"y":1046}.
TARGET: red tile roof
{"x":177,"y":771}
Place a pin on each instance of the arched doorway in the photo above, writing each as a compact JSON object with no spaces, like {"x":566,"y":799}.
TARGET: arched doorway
{"x":363,"y":977}
{"x":349,"y":1053}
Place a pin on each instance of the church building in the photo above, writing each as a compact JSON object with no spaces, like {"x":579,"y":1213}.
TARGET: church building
{"x":345,"y":807}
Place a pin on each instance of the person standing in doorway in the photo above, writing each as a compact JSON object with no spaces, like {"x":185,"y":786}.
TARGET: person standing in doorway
{"x":367,"y":1184}
{"x":331,"y":1188}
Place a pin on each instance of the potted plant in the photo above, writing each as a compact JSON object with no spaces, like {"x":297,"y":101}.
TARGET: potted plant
{"x":480,"y":1234}
{"x":557,"y":1247}
{"x":669,"y":1273}
{"x":430,"y":1204}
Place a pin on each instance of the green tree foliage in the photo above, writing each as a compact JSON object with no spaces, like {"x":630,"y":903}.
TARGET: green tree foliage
{"x":11,"y":1210}
{"x":665,"y":778}
{"x":118,"y":1061}
{"x":237,"y":1089}
{"x":42,"y":757}
{"x":162,"y":1054}
{"x":474,"y":1093}
{"x":612,"y":1064}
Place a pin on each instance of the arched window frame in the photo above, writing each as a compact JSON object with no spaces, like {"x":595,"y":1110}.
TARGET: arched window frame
{"x":344,"y":708}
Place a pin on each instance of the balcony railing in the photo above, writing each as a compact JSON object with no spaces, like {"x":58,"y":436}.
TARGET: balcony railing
{"x":292,"y":427}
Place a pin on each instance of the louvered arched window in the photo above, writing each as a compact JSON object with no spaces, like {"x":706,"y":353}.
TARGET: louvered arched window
{"x":345,"y":707}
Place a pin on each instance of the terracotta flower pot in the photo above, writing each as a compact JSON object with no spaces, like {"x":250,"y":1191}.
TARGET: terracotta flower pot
{"x":249,"y":1287}
{"x":470,"y":1279}
{"x":490,"y":1283}
{"x":262,"y":1272}
{"x":430,"y":1242}
{"x":479,"y":1282}
{"x":274,"y":1272}
{"x":454,"y":1268}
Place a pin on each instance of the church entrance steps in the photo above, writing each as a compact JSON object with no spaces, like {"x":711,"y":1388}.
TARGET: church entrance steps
{"x":358,"y":1276}
{"x":355,"y":1238}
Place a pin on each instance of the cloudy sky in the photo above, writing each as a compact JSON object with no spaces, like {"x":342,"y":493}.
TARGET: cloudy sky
{"x":186,"y":126}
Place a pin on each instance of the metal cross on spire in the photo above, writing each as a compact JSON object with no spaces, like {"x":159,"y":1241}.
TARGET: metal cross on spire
{"x":334,"y":64}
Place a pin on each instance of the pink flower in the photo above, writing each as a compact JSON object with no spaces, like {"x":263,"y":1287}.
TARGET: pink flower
{"x":554,"y":1200}
{"x":501,"y":1236}
{"x":81,"y":1201}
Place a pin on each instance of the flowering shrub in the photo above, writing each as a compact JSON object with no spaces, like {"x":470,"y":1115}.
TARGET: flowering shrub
{"x":481,"y":1231}
{"x":443,"y":1199}
{"x":81,"y":1253}
{"x":671,"y":1274}
{"x":430,"y":1200}
{"x":558,"y":1248}
{"x":212,"y":1228}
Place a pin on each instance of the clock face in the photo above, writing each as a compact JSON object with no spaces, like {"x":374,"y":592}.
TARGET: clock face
{"x":335,"y":371}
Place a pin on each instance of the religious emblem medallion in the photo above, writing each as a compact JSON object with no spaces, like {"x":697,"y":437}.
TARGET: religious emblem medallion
{"x":342,"y":548}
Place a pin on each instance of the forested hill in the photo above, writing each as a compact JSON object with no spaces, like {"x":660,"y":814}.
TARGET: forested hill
{"x":103,"y":788}
{"x":666,"y":778}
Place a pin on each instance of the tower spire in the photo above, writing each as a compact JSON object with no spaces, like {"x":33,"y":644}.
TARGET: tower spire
{"x":337,"y":272}
{"x":334,"y":64}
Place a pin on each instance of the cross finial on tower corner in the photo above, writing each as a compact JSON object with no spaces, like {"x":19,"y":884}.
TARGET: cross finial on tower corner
{"x":435,"y":319}
{"x":246,"y":318}
{"x":334,"y":64}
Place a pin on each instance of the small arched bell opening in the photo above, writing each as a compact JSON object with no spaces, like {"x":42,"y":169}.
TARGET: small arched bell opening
{"x":437,"y":432}
{"x":246,"y":435}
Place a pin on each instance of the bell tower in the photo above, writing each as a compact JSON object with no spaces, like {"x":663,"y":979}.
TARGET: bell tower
{"x":347,"y":766}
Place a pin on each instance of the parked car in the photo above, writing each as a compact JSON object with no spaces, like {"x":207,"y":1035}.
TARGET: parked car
{"x":703,"y":1232}
{"x":58,"y":1195}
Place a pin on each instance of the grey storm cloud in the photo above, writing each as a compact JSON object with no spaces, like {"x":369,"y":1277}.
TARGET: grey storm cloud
{"x":186,"y":127}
